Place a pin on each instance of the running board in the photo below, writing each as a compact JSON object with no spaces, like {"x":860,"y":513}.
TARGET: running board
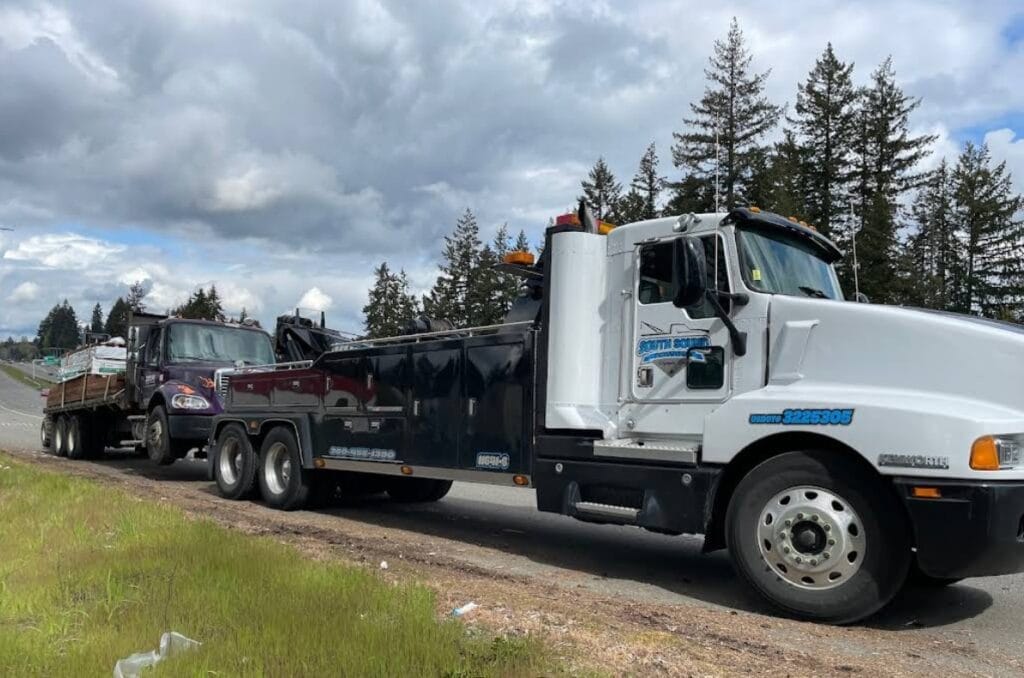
{"x":618,"y":514}
{"x":680,"y":451}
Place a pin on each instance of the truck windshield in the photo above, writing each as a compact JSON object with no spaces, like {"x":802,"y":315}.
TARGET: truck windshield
{"x":778,"y":263}
{"x":187,"y":342}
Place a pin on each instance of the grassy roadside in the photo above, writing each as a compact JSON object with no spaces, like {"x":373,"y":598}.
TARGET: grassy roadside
{"x":16,"y":374}
{"x":89,"y":574}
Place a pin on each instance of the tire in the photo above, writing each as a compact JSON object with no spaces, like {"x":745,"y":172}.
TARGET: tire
{"x":158,"y":437}
{"x":814,"y":574}
{"x":60,"y":436}
{"x":75,"y":440}
{"x":417,"y":490}
{"x":234,"y":463}
{"x":46,"y":434}
{"x":284,"y":484}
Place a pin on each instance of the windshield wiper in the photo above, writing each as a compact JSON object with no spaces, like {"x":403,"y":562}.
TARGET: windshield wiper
{"x":813,"y":292}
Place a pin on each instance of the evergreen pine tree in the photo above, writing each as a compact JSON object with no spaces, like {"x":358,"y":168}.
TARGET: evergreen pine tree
{"x":728,"y":122}
{"x":448,"y":299}
{"x":601,"y":191}
{"x":987,"y":210}
{"x":214,"y":308}
{"x":389,"y":306}
{"x":117,"y":319}
{"x":826,"y":110}
{"x":691,"y":194}
{"x":647,"y":183}
{"x":933,"y":259}
{"x":97,"y":319}
{"x":885,"y":155}
{"x":136,"y":293}
{"x":776,"y":183}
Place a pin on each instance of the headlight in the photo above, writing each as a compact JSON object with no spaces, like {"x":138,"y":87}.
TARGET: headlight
{"x":998,"y":453}
{"x":182,"y":401}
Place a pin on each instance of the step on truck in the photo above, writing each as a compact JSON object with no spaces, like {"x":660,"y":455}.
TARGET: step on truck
{"x":164,"y":399}
{"x":698,"y":375}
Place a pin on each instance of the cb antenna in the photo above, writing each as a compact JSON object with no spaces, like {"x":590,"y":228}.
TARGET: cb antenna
{"x":718,"y":163}
{"x":853,"y":242}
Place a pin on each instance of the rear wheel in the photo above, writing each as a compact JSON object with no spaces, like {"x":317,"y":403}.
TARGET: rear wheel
{"x":234,"y":463}
{"x":60,"y":436}
{"x":75,"y":445}
{"x":818,"y":536}
{"x":46,"y":433}
{"x":417,"y":490}
{"x":284,"y":484}
{"x":158,"y":437}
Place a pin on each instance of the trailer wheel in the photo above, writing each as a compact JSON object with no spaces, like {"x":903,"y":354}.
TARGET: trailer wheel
{"x":75,"y":438}
{"x":60,"y":436}
{"x":284,"y":484}
{"x":46,"y":433}
{"x":234,"y":463}
{"x":158,"y":437}
{"x":417,"y":490}
{"x":818,"y":537}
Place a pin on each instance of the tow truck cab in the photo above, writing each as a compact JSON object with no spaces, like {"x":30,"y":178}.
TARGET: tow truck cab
{"x":699,"y":374}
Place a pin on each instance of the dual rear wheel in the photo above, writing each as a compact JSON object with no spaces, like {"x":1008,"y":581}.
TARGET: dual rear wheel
{"x":276,"y":471}
{"x":75,"y":436}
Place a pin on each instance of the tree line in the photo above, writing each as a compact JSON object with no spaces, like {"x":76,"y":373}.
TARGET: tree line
{"x":846,"y":161}
{"x":61,"y":328}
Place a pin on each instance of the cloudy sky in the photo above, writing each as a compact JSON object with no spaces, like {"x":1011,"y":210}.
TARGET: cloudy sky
{"x":282,"y":149}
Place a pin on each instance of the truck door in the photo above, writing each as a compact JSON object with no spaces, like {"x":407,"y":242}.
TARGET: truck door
{"x":437,"y":405}
{"x":663,"y":337}
{"x":497,"y":377}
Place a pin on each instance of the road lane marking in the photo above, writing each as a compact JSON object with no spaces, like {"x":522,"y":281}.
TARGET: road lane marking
{"x":24,"y":414}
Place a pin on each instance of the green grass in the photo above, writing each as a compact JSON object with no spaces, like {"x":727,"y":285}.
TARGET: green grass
{"x":14,"y":373}
{"x":89,"y":574}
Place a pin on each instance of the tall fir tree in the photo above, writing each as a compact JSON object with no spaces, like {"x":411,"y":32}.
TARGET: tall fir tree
{"x":885,"y":161}
{"x":988,"y":211}
{"x":601,"y":191}
{"x":728,"y":123}
{"x":60,"y":328}
{"x":826,"y":111}
{"x":96,"y":325}
{"x":776,"y":183}
{"x":933,"y":260}
{"x":448,"y":299}
{"x":390,"y":306}
{"x":116,"y":324}
{"x":136,"y":295}
{"x":641,"y":200}
{"x":691,"y":194}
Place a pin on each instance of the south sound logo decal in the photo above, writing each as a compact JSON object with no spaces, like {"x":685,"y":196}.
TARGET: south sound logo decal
{"x":667,"y":349}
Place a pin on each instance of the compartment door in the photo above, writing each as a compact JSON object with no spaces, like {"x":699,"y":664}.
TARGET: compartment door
{"x":436,"y":407}
{"x":497,"y":378}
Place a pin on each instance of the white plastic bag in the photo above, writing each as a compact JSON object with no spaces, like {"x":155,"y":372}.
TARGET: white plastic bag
{"x":171,"y":643}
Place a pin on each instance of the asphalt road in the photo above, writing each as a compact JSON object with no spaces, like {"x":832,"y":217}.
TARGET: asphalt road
{"x":618,"y":561}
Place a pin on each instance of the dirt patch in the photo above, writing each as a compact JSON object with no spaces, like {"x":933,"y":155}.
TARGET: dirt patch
{"x":593,"y":633}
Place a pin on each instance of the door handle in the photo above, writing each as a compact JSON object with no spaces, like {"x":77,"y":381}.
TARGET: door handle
{"x":375,"y":425}
{"x":415,"y":408}
{"x":645,"y":376}
{"x":471,"y":407}
{"x":347,"y":424}
{"x":296,"y":385}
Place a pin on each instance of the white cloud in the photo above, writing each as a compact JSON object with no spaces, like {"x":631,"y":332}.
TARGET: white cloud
{"x":26,"y":291}
{"x":63,"y":250}
{"x":1007,"y":145}
{"x":314,"y":299}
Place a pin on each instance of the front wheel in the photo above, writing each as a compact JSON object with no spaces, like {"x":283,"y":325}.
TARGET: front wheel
{"x":818,"y":536}
{"x":158,"y":437}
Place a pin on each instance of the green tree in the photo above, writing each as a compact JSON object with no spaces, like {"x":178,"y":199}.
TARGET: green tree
{"x":136,"y":294}
{"x":390,"y":306}
{"x":201,"y":305}
{"x":826,"y":111}
{"x":641,"y":200}
{"x":601,"y":191}
{"x":117,"y":319}
{"x":449,"y":297}
{"x":691,"y":194}
{"x":728,"y":123}
{"x":988,"y":211}
{"x":933,"y":261}
{"x":60,"y":328}
{"x":97,"y":319}
{"x":776,"y":182}
{"x":885,"y":160}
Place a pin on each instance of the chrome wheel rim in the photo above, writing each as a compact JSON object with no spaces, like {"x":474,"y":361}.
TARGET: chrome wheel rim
{"x":230,"y":461}
{"x":277,"y":468}
{"x":58,"y":438}
{"x":811,"y":538}
{"x":42,"y":434}
{"x":71,"y":439}
{"x":156,"y":433}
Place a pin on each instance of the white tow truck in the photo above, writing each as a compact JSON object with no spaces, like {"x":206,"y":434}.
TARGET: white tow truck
{"x":700,"y":374}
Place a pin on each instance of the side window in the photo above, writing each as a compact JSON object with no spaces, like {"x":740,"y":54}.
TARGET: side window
{"x":153,"y":347}
{"x":656,"y":275}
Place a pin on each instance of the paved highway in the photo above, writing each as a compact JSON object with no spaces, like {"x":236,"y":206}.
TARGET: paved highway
{"x":619,"y":561}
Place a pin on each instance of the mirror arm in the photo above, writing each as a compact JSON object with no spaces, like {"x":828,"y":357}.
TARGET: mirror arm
{"x":738,"y":298}
{"x":739,"y":339}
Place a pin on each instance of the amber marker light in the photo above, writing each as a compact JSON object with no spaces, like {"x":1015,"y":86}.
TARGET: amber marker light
{"x":521,"y":481}
{"x":926,"y":493}
{"x":406,"y":470}
{"x":985,"y":454}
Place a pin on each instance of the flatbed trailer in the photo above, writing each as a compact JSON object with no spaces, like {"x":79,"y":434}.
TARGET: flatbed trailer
{"x":697,"y":375}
